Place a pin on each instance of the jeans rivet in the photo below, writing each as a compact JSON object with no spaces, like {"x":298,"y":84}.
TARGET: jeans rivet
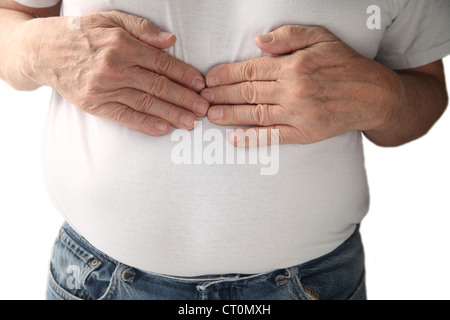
{"x":128,"y":275}
{"x":94,"y":262}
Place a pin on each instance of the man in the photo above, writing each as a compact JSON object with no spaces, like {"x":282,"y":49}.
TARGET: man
{"x":141,"y":225}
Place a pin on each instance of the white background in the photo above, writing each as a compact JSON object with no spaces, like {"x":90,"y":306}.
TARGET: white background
{"x":406,"y":233}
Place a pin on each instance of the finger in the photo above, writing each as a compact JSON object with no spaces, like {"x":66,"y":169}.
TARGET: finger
{"x":145,"y":103}
{"x":164,"y":89}
{"x":130,"y":118}
{"x":150,"y":56}
{"x":247,"y":115}
{"x":292,"y":38}
{"x":244,"y":93}
{"x":265,"y":136}
{"x":164,"y":64}
{"x":142,"y":29}
{"x":261,"y":69}
{"x":256,"y":137}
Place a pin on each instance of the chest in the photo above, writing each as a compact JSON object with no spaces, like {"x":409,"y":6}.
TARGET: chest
{"x":210,"y":32}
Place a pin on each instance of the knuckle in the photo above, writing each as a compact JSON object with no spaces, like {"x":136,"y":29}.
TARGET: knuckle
{"x":173,"y":115}
{"x":248,"y":92}
{"x":299,"y":64}
{"x":108,"y":60}
{"x":161,"y":86}
{"x":249,"y":70}
{"x":288,"y":30}
{"x":144,"y":24}
{"x":170,"y":113}
{"x":120,"y":115}
{"x":124,"y":116}
{"x":262,"y":114}
{"x":185,"y":72}
{"x":143,"y":122}
{"x":324,"y":33}
{"x":163,"y":63}
{"x":320,"y":34}
{"x":300,"y":90}
{"x":183,"y":98}
{"x":91,"y":87}
{"x":87,"y":106}
{"x":297,"y":93}
{"x":115,"y":39}
{"x":144,"y":103}
{"x":228,"y":72}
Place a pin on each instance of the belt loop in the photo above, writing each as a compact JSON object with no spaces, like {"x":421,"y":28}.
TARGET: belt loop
{"x":288,"y":273}
{"x":205,"y":285}
{"x":292,"y":272}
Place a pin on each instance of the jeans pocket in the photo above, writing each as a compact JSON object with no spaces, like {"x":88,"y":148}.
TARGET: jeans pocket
{"x":78,"y":273}
{"x":305,"y":292}
{"x":302,"y":291}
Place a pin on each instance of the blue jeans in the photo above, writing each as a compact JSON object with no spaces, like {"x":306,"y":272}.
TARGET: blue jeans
{"x":78,"y":271}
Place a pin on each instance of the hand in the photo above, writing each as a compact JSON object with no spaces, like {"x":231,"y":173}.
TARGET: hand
{"x":113,"y":67}
{"x":317,"y":87}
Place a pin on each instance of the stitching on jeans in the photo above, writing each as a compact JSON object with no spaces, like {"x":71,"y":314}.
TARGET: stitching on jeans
{"x":310,"y":291}
{"x":111,"y":290}
{"x":301,"y":290}
{"x":71,"y":248}
{"x":86,"y":246}
{"x":59,"y":291}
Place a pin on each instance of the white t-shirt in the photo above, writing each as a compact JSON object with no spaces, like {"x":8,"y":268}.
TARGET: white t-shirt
{"x":129,"y":195}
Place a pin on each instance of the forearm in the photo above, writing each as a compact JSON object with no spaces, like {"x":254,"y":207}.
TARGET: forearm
{"x":15,"y":51}
{"x":423,"y":101}
{"x":20,"y":34}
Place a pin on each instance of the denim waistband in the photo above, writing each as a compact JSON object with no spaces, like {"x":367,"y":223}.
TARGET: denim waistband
{"x":343,"y":267}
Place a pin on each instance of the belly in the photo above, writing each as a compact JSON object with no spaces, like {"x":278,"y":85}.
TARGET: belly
{"x":133,"y":199}
{"x":186,"y":203}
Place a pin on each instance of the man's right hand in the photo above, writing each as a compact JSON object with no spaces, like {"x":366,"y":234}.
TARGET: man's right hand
{"x":114,"y":67}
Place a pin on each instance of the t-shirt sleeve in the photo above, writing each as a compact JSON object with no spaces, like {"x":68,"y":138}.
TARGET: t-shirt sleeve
{"x":420,"y":34}
{"x":38,"y":3}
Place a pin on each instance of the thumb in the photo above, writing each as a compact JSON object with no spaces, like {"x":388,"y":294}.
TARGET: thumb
{"x":288,"y":39}
{"x":143,"y":29}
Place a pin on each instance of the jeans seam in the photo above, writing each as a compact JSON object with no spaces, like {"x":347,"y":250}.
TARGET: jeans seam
{"x":79,"y":250}
{"x":85,"y":245}
{"x":58,"y":290}
{"x":111,"y":290}
{"x":114,"y":280}
{"x":74,"y":251}
{"x":301,"y":290}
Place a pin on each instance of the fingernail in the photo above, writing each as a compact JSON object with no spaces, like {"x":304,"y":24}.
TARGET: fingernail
{"x":216,"y":113}
{"x":198,"y":84}
{"x":188,"y":120}
{"x":212,"y":81}
{"x":201,"y":108}
{"x":165,"y":35}
{"x":161,"y":126}
{"x":266,"y":38}
{"x":208,"y":95}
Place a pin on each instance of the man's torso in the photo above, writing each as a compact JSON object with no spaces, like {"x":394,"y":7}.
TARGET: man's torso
{"x":126,"y":194}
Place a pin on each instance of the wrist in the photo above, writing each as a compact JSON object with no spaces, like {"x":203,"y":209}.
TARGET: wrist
{"x":31,"y":52}
{"x":386,"y":132}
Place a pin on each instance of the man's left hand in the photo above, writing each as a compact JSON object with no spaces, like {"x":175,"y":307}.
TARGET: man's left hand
{"x":312,"y":87}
